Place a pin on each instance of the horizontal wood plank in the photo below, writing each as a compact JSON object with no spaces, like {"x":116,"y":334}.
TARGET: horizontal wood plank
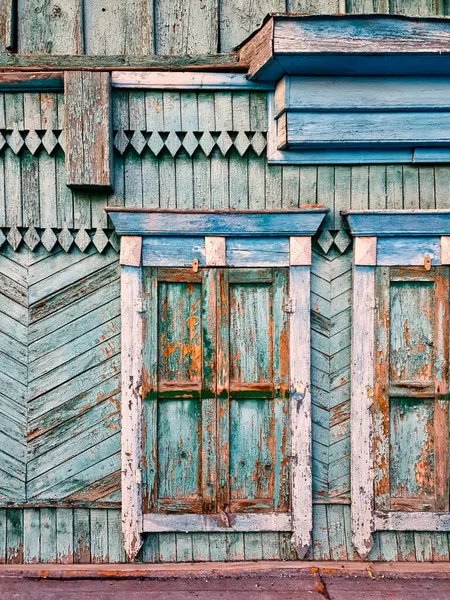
{"x":217,"y":522}
{"x":412,"y":521}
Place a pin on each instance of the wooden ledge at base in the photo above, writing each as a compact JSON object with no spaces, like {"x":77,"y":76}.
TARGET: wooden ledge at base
{"x":393,"y":570}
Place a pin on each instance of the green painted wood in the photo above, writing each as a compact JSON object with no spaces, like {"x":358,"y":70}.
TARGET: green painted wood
{"x":81,"y":536}
{"x":14,"y":536}
{"x":48,"y":535}
{"x":31,"y":536}
{"x":64,"y":535}
{"x":99,"y":536}
{"x":2,"y":536}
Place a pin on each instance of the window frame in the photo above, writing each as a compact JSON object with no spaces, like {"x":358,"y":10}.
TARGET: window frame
{"x":152,"y":238}
{"x":389,"y":238}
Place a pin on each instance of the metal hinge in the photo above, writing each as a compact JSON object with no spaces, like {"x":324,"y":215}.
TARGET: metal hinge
{"x":376,"y":304}
{"x":141,"y":305}
{"x":290,"y":305}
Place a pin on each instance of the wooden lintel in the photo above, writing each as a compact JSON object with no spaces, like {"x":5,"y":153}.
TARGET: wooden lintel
{"x":214,"y":62}
{"x":131,"y":251}
{"x":365,"y":251}
{"x":48,"y":81}
{"x":185,"y":81}
{"x":215,"y":249}
{"x":89,"y":152}
{"x":412,"y":521}
{"x":299,"y":251}
{"x":216,"y":522}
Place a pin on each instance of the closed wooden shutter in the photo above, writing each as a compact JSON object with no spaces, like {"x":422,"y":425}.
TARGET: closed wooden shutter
{"x":215,"y":391}
{"x":411,"y":389}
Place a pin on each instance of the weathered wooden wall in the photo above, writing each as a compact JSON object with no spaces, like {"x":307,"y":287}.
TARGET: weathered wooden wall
{"x":65,"y":536}
{"x":59,"y":312}
{"x":143,"y":27}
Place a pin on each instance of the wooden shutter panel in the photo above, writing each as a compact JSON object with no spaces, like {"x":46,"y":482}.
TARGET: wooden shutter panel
{"x":411,"y":390}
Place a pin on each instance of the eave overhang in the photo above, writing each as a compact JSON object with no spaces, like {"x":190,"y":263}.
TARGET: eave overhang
{"x":347,"y":45}
{"x":398,"y":223}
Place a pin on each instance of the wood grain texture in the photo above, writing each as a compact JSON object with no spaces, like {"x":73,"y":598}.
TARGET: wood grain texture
{"x":361,"y":414}
{"x":131,"y":251}
{"x":113,"y":29}
{"x":7,"y":25}
{"x":131,"y":409}
{"x":88,"y":130}
{"x":300,"y":409}
{"x":50,"y":28}
{"x":186,"y":27}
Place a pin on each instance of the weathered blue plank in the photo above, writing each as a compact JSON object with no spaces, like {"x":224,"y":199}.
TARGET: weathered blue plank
{"x":257,"y":252}
{"x":231,"y":223}
{"x":344,"y":129}
{"x":409,"y":251}
{"x":394,"y":222}
{"x":173,"y":251}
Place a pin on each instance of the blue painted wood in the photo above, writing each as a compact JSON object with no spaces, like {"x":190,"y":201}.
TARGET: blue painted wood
{"x":257,"y":252}
{"x":364,"y":129}
{"x":354,"y":94}
{"x":397,"y":222}
{"x":217,"y":223}
{"x":373,"y":45}
{"x":408,"y":251}
{"x":173,"y":251}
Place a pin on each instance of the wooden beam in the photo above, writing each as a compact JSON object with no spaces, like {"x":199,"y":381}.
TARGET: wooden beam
{"x":217,"y":223}
{"x":362,"y":389}
{"x":160,"y":523}
{"x":365,"y":251}
{"x":50,"y":81}
{"x":213,"y":62}
{"x":88,"y":131}
{"x":412,"y":521}
{"x":215,"y":249}
{"x":131,"y":251}
{"x":131,"y":408}
{"x":392,"y":223}
{"x":185,"y":81}
{"x":300,"y":409}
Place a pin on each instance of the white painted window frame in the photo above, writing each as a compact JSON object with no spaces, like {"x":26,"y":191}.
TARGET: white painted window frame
{"x":299,"y":519}
{"x":366,"y":257}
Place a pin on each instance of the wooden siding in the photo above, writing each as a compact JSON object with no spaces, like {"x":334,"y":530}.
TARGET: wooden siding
{"x":81,"y":536}
{"x":170,"y":28}
{"x":59,"y":370}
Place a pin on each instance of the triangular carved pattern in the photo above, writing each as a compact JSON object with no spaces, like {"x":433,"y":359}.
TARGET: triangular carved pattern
{"x":34,"y":239}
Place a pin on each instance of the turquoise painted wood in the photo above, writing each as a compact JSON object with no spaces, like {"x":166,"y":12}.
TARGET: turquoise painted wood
{"x":411,"y":407}
{"x":215,"y":392}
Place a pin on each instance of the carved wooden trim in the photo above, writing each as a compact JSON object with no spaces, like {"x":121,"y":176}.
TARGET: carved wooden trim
{"x":365,"y":251}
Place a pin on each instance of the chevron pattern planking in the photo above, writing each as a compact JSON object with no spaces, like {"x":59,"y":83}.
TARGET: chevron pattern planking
{"x":13,"y":374}
{"x":330,"y":373}
{"x":68,"y":368}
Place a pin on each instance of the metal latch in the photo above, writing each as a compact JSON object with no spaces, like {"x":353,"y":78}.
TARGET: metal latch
{"x":290,"y":306}
{"x":141,"y":305}
{"x":195,"y":265}
{"x":427,"y":262}
{"x":141,"y":476}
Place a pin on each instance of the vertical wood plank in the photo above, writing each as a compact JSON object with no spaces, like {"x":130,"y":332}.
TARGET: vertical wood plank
{"x":150,"y":549}
{"x":14,"y":536}
{"x":81,"y":536}
{"x":88,"y":129}
{"x":116,"y":552}
{"x":99,"y":536}
{"x":118,"y":28}
{"x":300,"y":409}
{"x":48,"y":535}
{"x":200,"y":547}
{"x":2,"y":536}
{"x":50,"y":28}
{"x":167,"y":547}
{"x":31,"y":536}
{"x":184,"y":547}
{"x":132,"y":330}
{"x":186,"y":27}
{"x":361,"y":407}
{"x":64,"y":536}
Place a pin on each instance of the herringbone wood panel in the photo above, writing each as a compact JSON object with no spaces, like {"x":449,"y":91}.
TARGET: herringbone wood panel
{"x":330,"y":372}
{"x":66,"y":366}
